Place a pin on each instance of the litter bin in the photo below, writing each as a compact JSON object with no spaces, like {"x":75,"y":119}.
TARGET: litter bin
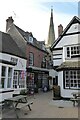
{"x":56,"y":92}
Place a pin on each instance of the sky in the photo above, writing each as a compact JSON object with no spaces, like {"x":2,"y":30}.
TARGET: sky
{"x":34,"y":15}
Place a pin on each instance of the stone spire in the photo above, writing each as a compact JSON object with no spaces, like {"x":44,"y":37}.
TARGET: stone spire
{"x":51,"y":34}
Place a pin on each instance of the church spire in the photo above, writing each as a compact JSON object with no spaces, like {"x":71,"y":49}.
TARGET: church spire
{"x":51,"y":34}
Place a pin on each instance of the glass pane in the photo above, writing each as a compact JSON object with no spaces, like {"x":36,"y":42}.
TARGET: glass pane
{"x":9,"y":72}
{"x":2,"y":82}
{"x":3,"y":71}
{"x":9,"y":83}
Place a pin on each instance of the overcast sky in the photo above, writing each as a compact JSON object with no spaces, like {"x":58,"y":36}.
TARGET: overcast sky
{"x":34,"y":15}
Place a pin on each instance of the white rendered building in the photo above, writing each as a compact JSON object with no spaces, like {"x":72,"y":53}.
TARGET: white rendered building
{"x":66,"y":58}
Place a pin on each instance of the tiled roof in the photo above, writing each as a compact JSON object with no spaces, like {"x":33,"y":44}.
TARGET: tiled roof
{"x":37,"y":44}
{"x":69,"y":65}
{"x":8,"y":45}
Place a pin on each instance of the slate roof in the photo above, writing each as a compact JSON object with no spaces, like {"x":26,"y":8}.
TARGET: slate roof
{"x":73,"y":21}
{"x":69,"y":65}
{"x":37,"y":44}
{"x":8,"y":45}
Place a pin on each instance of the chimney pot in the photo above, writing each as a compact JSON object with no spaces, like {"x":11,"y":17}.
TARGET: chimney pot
{"x":9,"y":22}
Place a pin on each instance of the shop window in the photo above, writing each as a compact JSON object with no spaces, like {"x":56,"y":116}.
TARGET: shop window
{"x":9,"y":77}
{"x":72,"y":79}
{"x":3,"y":76}
{"x":15,"y":79}
{"x":19,"y":79}
{"x":22,"y":79}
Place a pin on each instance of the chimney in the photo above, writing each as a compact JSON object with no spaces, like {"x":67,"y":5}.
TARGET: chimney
{"x":60,"y":30}
{"x":9,"y":22}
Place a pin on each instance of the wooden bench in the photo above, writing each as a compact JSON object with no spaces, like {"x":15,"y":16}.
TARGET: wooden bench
{"x":75,"y":100}
{"x":22,"y":105}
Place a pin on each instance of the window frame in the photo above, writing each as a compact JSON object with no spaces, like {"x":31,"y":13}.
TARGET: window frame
{"x":31,"y":59}
{"x":74,"y":51}
{"x":72,"y":79}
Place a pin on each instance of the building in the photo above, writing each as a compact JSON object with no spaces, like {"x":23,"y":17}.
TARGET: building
{"x":51,"y":33}
{"x":37,"y":74}
{"x":66,"y":58}
{"x":12,"y":67}
{"x":50,"y":40}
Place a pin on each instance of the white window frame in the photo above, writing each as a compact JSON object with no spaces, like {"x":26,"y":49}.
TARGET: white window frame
{"x":72,"y":79}
{"x":9,"y":81}
{"x":18,"y":81}
{"x":3,"y":77}
{"x":31,"y":59}
{"x":73,"y":51}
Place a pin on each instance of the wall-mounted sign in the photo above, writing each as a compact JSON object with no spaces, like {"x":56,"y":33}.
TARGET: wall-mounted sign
{"x":14,"y":60}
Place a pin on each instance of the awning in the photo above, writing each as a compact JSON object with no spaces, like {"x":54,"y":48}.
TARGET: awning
{"x":69,"y":65}
{"x":37,"y":69}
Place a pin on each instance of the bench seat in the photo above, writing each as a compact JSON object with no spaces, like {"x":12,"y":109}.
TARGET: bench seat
{"x":22,"y":105}
{"x":75,"y":100}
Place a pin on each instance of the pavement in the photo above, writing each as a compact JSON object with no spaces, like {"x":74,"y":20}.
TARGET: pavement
{"x":45,"y":107}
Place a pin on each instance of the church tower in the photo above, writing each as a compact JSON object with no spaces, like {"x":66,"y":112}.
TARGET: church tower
{"x":51,"y":33}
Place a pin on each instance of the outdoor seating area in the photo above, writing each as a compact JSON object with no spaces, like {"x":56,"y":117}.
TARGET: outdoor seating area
{"x":42,"y":106}
{"x":76,"y":98}
{"x":17,"y":102}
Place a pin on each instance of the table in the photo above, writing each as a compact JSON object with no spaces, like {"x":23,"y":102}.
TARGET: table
{"x":76,"y":94}
{"x":14,"y":101}
{"x":76,"y":98}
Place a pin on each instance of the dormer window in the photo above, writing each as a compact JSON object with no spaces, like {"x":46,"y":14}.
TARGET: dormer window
{"x":30,"y":39}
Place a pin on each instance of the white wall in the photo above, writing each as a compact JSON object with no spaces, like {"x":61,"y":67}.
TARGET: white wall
{"x":56,"y":55}
{"x":74,"y":28}
{"x":21,"y":64}
{"x":67,"y":40}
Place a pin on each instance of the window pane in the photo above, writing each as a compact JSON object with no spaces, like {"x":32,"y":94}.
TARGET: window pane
{"x":9,"y":72}
{"x":3,"y":71}
{"x":2,"y":82}
{"x":31,"y":58}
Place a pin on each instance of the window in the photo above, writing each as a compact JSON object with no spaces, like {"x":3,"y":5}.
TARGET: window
{"x":31,"y":59}
{"x":22,"y":79}
{"x":30,"y":39}
{"x":68,"y":52}
{"x":72,"y":79}
{"x":15,"y":79}
{"x":9,"y":77}
{"x":3,"y":76}
{"x":73,"y":51}
{"x":19,"y":79}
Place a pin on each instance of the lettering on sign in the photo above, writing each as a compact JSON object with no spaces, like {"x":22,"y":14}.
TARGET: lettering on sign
{"x":14,"y":60}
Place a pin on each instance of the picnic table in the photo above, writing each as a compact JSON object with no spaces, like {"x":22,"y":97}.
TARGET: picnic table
{"x":76,"y":98}
{"x":14,"y":102}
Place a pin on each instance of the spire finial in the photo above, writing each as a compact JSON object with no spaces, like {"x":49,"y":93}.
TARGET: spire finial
{"x":51,"y":11}
{"x":51,"y":8}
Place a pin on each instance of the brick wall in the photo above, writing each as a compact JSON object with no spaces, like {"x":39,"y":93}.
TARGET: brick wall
{"x":38,"y":55}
